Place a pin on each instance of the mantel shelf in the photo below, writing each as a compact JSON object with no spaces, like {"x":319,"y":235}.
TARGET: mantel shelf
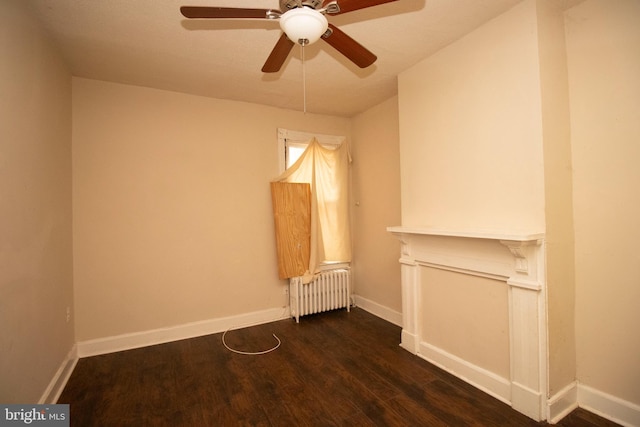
{"x":516,"y":237}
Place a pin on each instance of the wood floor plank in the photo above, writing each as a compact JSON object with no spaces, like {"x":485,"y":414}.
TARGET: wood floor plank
{"x":334,"y":369}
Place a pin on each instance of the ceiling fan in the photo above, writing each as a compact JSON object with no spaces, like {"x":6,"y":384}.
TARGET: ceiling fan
{"x":302,"y":22}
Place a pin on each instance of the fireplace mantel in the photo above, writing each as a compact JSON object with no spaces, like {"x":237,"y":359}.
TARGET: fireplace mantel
{"x":516,"y":259}
{"x":488,"y":235}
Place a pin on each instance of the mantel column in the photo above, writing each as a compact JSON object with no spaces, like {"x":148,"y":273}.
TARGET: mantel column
{"x":410,"y":280}
{"x":527,"y":328}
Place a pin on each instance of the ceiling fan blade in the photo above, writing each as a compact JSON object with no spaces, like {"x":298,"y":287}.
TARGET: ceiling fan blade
{"x":223,"y":12}
{"x":278,"y":55}
{"x":350,"y":48}
{"x":351,"y":5}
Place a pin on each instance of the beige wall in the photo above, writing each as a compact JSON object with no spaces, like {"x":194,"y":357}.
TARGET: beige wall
{"x":171,"y":206}
{"x":35,"y":208}
{"x":470,"y":131}
{"x":376,"y":204}
{"x":559,"y":238}
{"x":472,"y":160}
{"x":603,"y":41}
{"x":473,"y":327}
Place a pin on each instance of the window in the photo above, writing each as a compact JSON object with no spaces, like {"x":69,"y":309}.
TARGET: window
{"x":292,"y":152}
{"x":325,"y":166}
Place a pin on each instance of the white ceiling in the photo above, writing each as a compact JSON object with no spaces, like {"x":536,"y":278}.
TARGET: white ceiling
{"x":149,"y":43}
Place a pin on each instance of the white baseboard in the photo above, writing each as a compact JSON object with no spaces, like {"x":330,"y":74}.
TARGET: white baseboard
{"x":59,"y":380}
{"x":527,"y":401}
{"x":379,"y":310}
{"x":409,"y":342}
{"x":562,"y":403}
{"x":179,"y":332}
{"x":485,"y":380}
{"x":607,"y":406}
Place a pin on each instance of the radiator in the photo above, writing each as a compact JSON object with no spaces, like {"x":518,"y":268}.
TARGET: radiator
{"x":330,"y":290}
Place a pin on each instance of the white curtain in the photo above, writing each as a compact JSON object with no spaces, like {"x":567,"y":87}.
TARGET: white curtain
{"x":327,"y":170}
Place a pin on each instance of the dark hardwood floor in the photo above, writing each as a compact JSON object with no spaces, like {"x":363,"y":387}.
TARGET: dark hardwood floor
{"x":331,"y":369}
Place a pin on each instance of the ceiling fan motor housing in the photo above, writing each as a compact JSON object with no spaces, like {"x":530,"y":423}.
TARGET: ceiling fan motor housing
{"x":292,"y":4}
{"x":303,"y":25}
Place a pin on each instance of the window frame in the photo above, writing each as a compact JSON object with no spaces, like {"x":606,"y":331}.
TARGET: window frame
{"x":302,"y":138}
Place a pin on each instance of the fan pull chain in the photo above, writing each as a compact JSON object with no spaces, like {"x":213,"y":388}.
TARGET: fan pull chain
{"x":304,"y":80}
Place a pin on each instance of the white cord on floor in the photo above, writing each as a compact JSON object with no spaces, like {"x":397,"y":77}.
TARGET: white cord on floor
{"x":254,"y":353}
{"x":251,"y":353}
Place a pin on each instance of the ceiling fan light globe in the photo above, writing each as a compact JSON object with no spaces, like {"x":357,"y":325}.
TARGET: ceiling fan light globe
{"x":303,"y":25}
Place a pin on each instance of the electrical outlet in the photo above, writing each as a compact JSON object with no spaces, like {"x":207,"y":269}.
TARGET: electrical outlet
{"x":285,"y":291}
{"x":68,"y":314}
